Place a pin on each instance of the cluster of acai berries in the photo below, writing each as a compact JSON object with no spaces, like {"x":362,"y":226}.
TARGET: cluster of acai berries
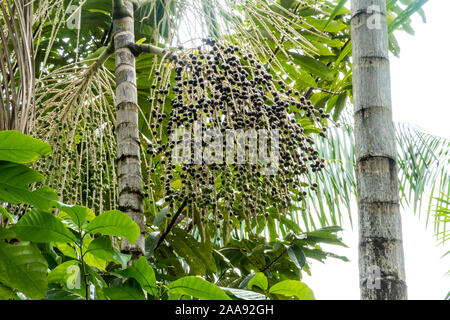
{"x":222,"y":87}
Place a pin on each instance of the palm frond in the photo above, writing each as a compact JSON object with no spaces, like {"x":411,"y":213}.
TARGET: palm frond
{"x":332,"y":201}
{"x":21,"y":28}
{"x":17,"y":64}
{"x":267,"y":27}
{"x":424,"y":173}
{"x":424,"y":166}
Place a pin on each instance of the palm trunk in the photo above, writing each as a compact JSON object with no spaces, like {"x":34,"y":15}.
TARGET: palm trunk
{"x":381,"y":261}
{"x":128,"y":144}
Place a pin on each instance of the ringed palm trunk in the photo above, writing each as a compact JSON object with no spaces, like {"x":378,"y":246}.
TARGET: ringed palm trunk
{"x":381,"y":261}
{"x":128,"y":144}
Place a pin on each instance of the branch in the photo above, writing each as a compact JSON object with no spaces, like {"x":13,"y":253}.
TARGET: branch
{"x":121,"y":10}
{"x":138,"y":48}
{"x":310,"y":90}
{"x":171,"y":224}
{"x":104,"y":56}
{"x":277,"y":258}
{"x":274,"y":260}
{"x":107,"y":35}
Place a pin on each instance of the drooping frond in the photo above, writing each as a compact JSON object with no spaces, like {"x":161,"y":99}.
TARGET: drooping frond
{"x":28,"y":30}
{"x":424,"y":163}
{"x":337,"y":186}
{"x":16,"y":64}
{"x":442,"y":214}
{"x":266,"y":26}
{"x":424,"y":173}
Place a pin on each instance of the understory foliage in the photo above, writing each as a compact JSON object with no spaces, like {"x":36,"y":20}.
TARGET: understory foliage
{"x":73,"y":254}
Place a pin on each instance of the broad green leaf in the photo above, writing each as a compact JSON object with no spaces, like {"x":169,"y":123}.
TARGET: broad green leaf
{"x":130,"y":290}
{"x":197,"y":288}
{"x":143,"y":273}
{"x":245,"y":294}
{"x":91,"y":259}
{"x":322,"y":49}
{"x":258,"y":280}
{"x":20,"y":148}
{"x":78,"y":214}
{"x":14,"y":183}
{"x":66,"y":274}
{"x":39,"y":226}
{"x":297,"y":256}
{"x":66,"y":249}
{"x":324,"y":236}
{"x":7,"y":293}
{"x":304,"y":78}
{"x":394,"y":47}
{"x":337,"y":8}
{"x":101,"y":247}
{"x":22,"y":267}
{"x":244,"y":283}
{"x":332,"y":255}
{"x":99,"y":283}
{"x":9,"y":216}
{"x":62,"y":294}
{"x":142,"y":40}
{"x":151,"y":242}
{"x":331,"y":103}
{"x":114,"y":223}
{"x":197,"y":254}
{"x":287,"y":3}
{"x":272,"y":228}
{"x":293,"y":288}
{"x":319,"y":24}
{"x":405,"y":14}
{"x":316,"y":254}
{"x":312,"y":65}
{"x":331,"y":229}
{"x":340,"y":105}
{"x":49,"y":253}
{"x":344,"y":52}
{"x":160,"y":216}
{"x":336,"y":43}
{"x":176,"y":184}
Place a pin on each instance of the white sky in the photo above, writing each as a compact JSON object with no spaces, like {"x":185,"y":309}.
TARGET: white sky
{"x":420,"y":97}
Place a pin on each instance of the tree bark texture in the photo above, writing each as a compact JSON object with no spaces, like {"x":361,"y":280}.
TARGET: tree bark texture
{"x":381,"y":260}
{"x":128,"y":144}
